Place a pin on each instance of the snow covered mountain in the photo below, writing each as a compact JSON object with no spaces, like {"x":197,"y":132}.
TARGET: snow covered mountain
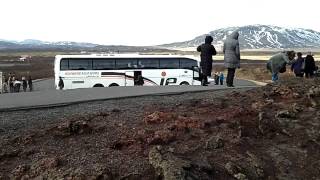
{"x":259,"y":37}
{"x":251,"y":37}
{"x":37,"y":44}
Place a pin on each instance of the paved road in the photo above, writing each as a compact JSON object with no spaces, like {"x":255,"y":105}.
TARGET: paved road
{"x":46,"y":96}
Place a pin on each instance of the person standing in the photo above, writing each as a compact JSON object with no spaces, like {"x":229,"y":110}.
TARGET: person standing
{"x":5,"y":86}
{"x":221,"y":78}
{"x":10,"y":83}
{"x":206,"y":50}
{"x":216,"y":78}
{"x":298,"y":65}
{"x":30,"y":83}
{"x":310,"y":65}
{"x":61,"y":83}
{"x":16,"y":85}
{"x":277,"y":63}
{"x":231,"y":51}
{"x":24,"y":84}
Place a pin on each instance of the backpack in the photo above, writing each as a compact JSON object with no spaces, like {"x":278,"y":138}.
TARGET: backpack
{"x":283,"y":68}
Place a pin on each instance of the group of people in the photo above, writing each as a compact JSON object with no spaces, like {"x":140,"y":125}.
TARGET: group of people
{"x":231,"y":51}
{"x":218,"y":78}
{"x":304,"y":66}
{"x":12,"y":84}
{"x":301,"y":66}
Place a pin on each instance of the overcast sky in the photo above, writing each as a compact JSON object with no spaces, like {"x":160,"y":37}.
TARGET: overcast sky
{"x":145,"y":22}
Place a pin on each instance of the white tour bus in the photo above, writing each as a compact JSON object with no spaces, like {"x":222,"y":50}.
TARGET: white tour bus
{"x":86,"y":71}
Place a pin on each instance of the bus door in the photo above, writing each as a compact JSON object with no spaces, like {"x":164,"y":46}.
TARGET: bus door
{"x":138,"y":79}
{"x":129,"y":78}
{"x":196,"y":74}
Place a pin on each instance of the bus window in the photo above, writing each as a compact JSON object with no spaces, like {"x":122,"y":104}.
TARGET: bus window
{"x":188,"y":64}
{"x":126,"y":63}
{"x":169,"y":63}
{"x":103,"y":64}
{"x":64,"y":64}
{"x":80,"y":64}
{"x":151,"y":63}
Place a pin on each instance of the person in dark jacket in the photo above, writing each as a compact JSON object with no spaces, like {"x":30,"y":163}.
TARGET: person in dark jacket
{"x":10,"y":83}
{"x":298,"y":65}
{"x":231,"y":51}
{"x":61,"y":83}
{"x":30,"y":83}
{"x":216,"y":78}
{"x":207,"y":50}
{"x":310,"y":65}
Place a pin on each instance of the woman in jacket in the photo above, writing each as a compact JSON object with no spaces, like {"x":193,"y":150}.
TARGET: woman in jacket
{"x":277,"y":63}
{"x":297,"y":66}
{"x":231,"y":53}
{"x":207,"y":51}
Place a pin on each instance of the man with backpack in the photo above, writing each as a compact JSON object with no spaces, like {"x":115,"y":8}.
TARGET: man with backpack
{"x":277,"y":63}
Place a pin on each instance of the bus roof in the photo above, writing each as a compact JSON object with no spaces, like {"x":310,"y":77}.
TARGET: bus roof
{"x":123,"y":56}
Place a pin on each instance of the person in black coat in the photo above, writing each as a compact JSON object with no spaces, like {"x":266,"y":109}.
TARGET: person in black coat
{"x":61,"y":83}
{"x":30,"y":83}
{"x":207,"y":50}
{"x":309,"y":66}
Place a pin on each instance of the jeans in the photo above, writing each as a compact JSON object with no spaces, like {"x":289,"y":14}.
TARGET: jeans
{"x":275,"y":77}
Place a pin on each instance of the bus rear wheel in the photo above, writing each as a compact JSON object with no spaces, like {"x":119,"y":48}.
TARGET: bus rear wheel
{"x":98,"y":85}
{"x":113,"y":84}
{"x":184,"y":83}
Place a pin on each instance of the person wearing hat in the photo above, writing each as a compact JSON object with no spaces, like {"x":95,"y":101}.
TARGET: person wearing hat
{"x":310,"y":65}
{"x":231,"y":51}
{"x":207,"y":50}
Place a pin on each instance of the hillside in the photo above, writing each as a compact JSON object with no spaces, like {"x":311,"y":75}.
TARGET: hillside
{"x":259,"y":37}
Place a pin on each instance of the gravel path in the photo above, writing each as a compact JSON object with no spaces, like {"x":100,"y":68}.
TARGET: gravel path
{"x":16,"y":122}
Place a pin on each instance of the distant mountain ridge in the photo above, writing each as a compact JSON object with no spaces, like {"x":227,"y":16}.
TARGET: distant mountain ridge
{"x":36,"y":45}
{"x":259,"y":37}
{"x":251,"y":37}
{"x":33,"y":43}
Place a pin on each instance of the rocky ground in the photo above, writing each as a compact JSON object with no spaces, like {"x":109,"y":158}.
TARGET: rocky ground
{"x":271,"y":132}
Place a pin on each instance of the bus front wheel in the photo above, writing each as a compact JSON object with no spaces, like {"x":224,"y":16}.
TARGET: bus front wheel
{"x":98,"y":85}
{"x":184,"y":83}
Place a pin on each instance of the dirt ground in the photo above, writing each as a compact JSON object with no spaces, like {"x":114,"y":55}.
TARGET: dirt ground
{"x":271,"y":132}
